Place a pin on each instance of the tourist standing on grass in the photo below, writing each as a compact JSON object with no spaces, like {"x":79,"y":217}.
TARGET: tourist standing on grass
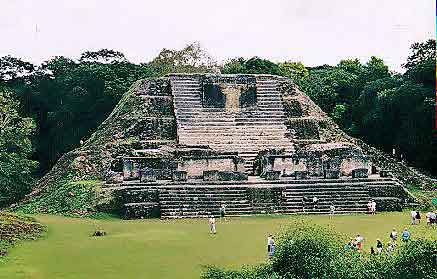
{"x":272,"y":246}
{"x":331,"y":211}
{"x":390,"y":247}
{"x":223,"y":212}
{"x":433,"y":218}
{"x":373,"y":207}
{"x":369,"y":207}
{"x":269,"y":242}
{"x":413,"y":217}
{"x":211,"y":222}
{"x":418,"y":217}
{"x":379,"y":246}
{"x":394,"y":235}
{"x":359,"y":240}
{"x":428,"y":218}
{"x":406,"y":235}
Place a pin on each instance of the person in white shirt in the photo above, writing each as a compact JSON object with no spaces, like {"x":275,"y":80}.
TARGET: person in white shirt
{"x":373,"y":207}
{"x":211,"y":222}
{"x":331,"y":211}
{"x":369,"y":207}
{"x":272,"y":246}
{"x":359,"y":240}
{"x":413,"y":217}
{"x":269,"y":241}
{"x":433,"y":218}
{"x":315,"y":202}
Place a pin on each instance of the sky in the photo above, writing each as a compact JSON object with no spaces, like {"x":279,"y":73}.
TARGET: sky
{"x":315,"y":32}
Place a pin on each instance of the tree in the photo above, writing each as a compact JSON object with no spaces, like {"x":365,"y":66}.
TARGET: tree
{"x":12,"y":68}
{"x":254,"y":65}
{"x":420,"y":63}
{"x":234,"y":66}
{"x":16,"y":167}
{"x":193,"y":58}
{"x":69,"y":99}
{"x":103,"y":56}
{"x":294,"y":70}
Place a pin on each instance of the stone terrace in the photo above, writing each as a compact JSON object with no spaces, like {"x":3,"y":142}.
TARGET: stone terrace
{"x":245,"y":131}
{"x":197,"y":198}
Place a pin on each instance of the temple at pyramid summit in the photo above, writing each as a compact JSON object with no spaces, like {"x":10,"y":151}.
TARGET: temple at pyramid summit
{"x":253,"y":144}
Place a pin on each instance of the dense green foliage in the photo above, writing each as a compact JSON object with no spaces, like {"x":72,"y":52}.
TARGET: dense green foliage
{"x":73,"y":198}
{"x":16,"y":167}
{"x":385,"y":109}
{"x":312,"y":251}
{"x":14,"y":228}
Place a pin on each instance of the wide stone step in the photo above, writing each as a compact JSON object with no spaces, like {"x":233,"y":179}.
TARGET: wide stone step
{"x":273,"y":121}
{"x":242,"y":185}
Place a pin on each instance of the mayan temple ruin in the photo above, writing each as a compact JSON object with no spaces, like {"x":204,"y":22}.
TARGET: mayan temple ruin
{"x":253,"y":143}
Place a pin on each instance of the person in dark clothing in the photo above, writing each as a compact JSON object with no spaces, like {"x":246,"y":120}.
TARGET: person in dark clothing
{"x":379,"y":246}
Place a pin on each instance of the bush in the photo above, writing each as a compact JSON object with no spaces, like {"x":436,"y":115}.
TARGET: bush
{"x":259,"y":272}
{"x":309,"y":251}
{"x":416,"y":259}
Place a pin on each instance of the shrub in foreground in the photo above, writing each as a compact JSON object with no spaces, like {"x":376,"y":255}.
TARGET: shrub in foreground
{"x":310,"y":251}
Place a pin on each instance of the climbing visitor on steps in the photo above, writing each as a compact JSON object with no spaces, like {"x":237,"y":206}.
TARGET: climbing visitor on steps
{"x":331,"y":210}
{"x":315,"y":202}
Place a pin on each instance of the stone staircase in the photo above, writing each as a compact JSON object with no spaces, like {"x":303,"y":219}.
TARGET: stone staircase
{"x":192,"y":202}
{"x":198,"y":198}
{"x":247,"y":131}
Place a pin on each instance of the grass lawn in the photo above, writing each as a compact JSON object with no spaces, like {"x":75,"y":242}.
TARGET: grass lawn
{"x":170,"y":249}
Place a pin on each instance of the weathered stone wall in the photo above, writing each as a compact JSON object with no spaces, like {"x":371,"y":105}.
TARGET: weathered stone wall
{"x":288,"y":165}
{"x":265,"y":200}
{"x":195,"y":166}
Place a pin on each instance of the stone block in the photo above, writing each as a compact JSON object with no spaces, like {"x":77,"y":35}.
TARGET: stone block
{"x":141,"y":210}
{"x":384,"y":173}
{"x":215,"y":175}
{"x":148,"y":175}
{"x":179,"y":175}
{"x":272,"y":175}
{"x":300,"y":175}
{"x":331,"y":174}
{"x":360,"y":173}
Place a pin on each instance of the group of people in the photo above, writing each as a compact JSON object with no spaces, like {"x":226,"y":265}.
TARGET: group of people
{"x":371,"y":207}
{"x":356,"y":244}
{"x":431,"y":217}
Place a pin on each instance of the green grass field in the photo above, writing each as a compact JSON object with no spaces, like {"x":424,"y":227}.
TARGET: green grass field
{"x":170,"y":249}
